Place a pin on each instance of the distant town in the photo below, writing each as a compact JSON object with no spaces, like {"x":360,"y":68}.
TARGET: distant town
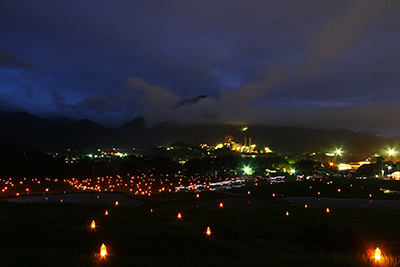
{"x":236,"y":191}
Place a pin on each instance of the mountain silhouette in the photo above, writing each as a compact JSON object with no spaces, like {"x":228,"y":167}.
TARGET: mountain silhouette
{"x":55,"y":135}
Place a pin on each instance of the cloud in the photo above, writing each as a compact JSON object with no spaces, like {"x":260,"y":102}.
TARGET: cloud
{"x":8,"y":106}
{"x":8,"y":60}
{"x":351,"y":26}
{"x":98,"y":103}
{"x":155,"y":102}
{"x":190,"y":101}
{"x":266,"y":62}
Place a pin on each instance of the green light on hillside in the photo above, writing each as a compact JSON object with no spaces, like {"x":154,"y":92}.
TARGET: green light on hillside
{"x":247,"y":170}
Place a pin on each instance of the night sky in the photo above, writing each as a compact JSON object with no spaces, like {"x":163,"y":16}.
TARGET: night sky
{"x":320,"y":64}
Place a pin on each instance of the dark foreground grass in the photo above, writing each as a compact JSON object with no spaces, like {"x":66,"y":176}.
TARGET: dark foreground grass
{"x":324,"y":187}
{"x":58,"y":234}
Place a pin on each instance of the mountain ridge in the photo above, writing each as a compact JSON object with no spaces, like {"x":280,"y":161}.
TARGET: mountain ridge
{"x":84,"y":134}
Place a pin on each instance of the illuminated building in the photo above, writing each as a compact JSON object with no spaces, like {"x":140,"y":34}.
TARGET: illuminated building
{"x":352,"y":166}
{"x":228,"y":139}
{"x":395,"y":175}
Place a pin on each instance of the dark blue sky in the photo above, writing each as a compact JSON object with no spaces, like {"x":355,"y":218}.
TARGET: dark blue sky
{"x":322,"y":64}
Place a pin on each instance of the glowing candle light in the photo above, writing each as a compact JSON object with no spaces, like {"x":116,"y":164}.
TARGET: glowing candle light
{"x":221,"y":205}
{"x":378,"y":255}
{"x":339,"y":190}
{"x":208,"y":232}
{"x":327,"y":210}
{"x":248,"y":192}
{"x":116,"y":203}
{"x":106,"y":213}
{"x":305,"y":206}
{"x":179,"y":216}
{"x":273,"y":194}
{"x":197,"y":195}
{"x":93,"y":224}
{"x":103,"y":250}
{"x":287,"y":213}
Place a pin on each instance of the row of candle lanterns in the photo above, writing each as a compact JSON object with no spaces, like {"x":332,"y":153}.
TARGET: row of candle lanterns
{"x":103,"y":248}
{"x":208,"y":230}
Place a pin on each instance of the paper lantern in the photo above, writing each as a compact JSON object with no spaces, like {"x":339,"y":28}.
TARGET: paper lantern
{"x":103,"y":250}
{"x":378,"y":254}
{"x":208,"y":232}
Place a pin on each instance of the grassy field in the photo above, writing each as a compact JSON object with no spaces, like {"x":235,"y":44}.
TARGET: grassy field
{"x":250,"y":230}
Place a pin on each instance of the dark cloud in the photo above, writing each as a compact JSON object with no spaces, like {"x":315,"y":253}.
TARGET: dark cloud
{"x":307,"y":63}
{"x":352,"y":25}
{"x":9,"y":60}
{"x":190,"y":101}
{"x":97,"y":102}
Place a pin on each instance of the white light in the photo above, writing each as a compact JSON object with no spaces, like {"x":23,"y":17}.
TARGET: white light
{"x":338,"y":152}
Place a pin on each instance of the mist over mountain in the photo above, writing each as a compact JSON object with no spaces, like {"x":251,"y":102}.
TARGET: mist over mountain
{"x":60,"y":134}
